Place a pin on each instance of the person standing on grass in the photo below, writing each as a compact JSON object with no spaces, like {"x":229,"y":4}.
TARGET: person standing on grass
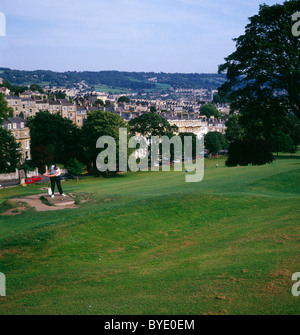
{"x":54,"y":174}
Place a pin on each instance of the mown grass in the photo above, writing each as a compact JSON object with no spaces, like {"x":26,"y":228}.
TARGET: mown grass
{"x":149,"y":243}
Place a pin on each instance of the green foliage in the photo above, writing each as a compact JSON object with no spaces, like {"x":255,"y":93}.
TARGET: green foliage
{"x":99,"y":102}
{"x":214,"y":142}
{"x":124,"y":99}
{"x":234,"y":130}
{"x":14,"y":89}
{"x":281,"y":142}
{"x":220,"y":99}
{"x":9,"y":152}
{"x":100,"y":124}
{"x":53,"y":139}
{"x":291,"y":126}
{"x":5,"y":111}
{"x":209,"y":110}
{"x":263,"y":72}
{"x":60,"y":95}
{"x":36,"y":87}
{"x":249,"y":151}
{"x":74,"y":167}
{"x":151,"y":124}
{"x":137,"y":81}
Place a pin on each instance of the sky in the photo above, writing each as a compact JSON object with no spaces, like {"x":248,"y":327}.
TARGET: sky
{"x":188,"y":36}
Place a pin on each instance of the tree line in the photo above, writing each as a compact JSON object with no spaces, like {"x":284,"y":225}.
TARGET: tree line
{"x":117,"y":79}
{"x":263,"y":87}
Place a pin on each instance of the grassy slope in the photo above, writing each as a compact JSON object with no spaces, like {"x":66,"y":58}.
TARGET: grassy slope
{"x":149,"y":243}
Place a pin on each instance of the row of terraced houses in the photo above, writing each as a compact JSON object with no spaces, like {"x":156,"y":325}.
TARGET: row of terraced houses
{"x":185,"y":116}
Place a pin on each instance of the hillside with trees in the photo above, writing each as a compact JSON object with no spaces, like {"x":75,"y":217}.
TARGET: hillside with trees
{"x":118,"y":79}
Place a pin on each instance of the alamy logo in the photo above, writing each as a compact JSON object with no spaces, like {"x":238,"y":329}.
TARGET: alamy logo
{"x":2,"y":24}
{"x":295,"y":28}
{"x":295,"y":287}
{"x":2,"y":285}
{"x":107,"y":159}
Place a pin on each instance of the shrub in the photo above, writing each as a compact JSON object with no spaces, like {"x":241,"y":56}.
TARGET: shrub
{"x":75,"y":167}
{"x":249,"y":151}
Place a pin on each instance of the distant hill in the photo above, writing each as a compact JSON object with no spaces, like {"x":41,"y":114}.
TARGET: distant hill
{"x":136,"y":81}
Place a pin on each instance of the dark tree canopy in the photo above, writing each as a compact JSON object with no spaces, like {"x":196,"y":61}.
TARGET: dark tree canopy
{"x":234,"y":130}
{"x":124,"y":99}
{"x":9,"y":151}
{"x":36,"y":87}
{"x":54,"y":139}
{"x":99,"y":124}
{"x":209,"y":110}
{"x":214,"y":142}
{"x":151,"y":124}
{"x":281,"y":142}
{"x":263,"y":73}
{"x":5,"y":111}
{"x":249,"y":151}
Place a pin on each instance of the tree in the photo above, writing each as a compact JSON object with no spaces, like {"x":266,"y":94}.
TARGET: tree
{"x":124,"y":99}
{"x":263,"y":73}
{"x":281,"y":142}
{"x":209,"y":110}
{"x":99,"y":103}
{"x":151,"y":124}
{"x":60,"y":95}
{"x":100,"y":124}
{"x":220,"y":99}
{"x":234,"y":130}
{"x":19,"y":89}
{"x":214,"y":142}
{"x":9,"y":152}
{"x":291,"y":126}
{"x":5,"y":111}
{"x":75,"y":167}
{"x":249,"y":151}
{"x":36,"y":87}
{"x":54,"y":139}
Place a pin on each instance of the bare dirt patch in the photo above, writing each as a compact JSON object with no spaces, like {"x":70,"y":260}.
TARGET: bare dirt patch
{"x":14,"y":211}
{"x":35,"y":202}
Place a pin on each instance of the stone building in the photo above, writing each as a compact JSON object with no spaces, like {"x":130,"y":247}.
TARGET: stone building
{"x":21,"y":133}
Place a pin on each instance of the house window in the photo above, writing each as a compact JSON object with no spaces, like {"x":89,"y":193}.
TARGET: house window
{"x":14,"y":125}
{"x":22,"y":124}
{"x":26,"y":144}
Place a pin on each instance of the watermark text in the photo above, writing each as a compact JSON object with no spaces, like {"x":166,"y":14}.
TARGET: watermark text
{"x":295,"y":291}
{"x":156,"y":150}
{"x":296,"y":26}
{"x":2,"y":285}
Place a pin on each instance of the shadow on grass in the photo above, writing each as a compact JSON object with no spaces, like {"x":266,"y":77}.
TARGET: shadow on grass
{"x":286,"y":157}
